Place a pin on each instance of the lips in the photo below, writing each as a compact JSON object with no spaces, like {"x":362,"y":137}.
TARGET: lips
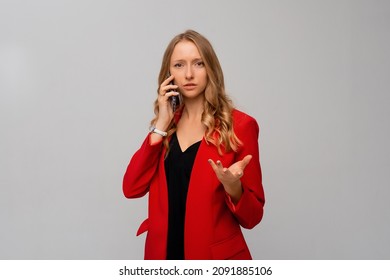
{"x":189,"y":86}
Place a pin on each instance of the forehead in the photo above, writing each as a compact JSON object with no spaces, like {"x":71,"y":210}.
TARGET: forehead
{"x":185,"y":50}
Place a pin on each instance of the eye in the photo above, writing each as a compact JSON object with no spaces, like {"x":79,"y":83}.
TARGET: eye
{"x":178,"y":65}
{"x":199,"y":64}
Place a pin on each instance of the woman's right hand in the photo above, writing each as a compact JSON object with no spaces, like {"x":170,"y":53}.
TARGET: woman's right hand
{"x":165,"y":112}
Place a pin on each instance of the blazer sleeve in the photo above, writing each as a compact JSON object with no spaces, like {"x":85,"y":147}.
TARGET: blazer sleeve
{"x":249,"y":209}
{"x":141,"y":169}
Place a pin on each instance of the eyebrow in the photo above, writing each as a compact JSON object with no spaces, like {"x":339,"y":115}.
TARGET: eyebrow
{"x":183,"y":60}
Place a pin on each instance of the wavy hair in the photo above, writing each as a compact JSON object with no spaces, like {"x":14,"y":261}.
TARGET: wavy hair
{"x":217,"y":114}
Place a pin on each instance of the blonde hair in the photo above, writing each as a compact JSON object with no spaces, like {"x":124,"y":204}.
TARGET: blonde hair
{"x":217,"y":114}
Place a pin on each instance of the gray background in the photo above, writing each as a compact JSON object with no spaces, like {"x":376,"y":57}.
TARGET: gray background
{"x":78,"y":80}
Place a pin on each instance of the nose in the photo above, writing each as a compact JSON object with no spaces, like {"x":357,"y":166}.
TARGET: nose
{"x":189,"y":73}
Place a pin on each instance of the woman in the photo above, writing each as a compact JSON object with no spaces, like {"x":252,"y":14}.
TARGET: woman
{"x":199,"y":164}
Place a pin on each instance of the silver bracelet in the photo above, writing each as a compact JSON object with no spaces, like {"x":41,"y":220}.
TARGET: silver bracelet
{"x":153,"y":129}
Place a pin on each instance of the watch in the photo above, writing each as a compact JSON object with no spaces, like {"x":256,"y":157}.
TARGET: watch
{"x":153,"y":129}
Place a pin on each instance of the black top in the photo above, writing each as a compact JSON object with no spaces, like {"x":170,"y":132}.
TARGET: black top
{"x":178,"y":167}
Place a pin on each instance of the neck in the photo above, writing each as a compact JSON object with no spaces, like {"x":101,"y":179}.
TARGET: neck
{"x":193,"y":109}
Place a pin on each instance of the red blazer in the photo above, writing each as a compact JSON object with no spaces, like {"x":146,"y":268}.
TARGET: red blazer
{"x":212,"y":222}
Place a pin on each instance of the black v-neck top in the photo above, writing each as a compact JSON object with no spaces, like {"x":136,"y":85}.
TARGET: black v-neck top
{"x":178,"y":167}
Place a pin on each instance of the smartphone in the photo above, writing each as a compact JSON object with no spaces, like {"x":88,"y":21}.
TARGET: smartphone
{"x":175,"y":100}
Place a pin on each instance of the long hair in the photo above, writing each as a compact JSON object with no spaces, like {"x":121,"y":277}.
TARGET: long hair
{"x":217,"y":114}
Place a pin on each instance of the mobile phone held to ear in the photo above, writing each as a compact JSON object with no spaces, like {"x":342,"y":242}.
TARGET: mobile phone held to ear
{"x":175,"y":100}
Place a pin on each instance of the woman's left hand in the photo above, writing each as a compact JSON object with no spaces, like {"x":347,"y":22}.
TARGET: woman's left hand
{"x":230,"y":177}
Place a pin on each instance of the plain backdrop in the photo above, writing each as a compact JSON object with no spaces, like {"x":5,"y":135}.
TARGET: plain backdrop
{"x":77,"y":85}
